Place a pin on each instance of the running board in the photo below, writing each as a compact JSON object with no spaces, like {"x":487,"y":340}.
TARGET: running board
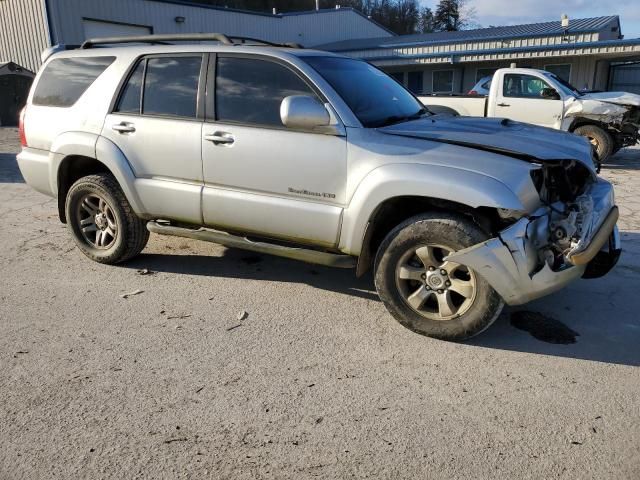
{"x":228,"y":240}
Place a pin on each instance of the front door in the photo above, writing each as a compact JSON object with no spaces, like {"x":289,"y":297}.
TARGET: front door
{"x":259,"y":176}
{"x":520,"y":98}
{"x":156,"y":125}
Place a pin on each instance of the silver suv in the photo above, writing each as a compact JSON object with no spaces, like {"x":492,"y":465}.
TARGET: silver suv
{"x":316,"y":157}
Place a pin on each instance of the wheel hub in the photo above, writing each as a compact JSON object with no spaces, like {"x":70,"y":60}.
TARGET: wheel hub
{"x":101,"y":221}
{"x":436,"y":280}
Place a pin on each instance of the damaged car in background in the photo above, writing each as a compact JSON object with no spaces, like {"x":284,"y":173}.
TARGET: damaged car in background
{"x":610,"y":120}
{"x":338,"y":165}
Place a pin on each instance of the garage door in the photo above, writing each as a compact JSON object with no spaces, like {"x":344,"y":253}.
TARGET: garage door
{"x":625,"y":78}
{"x":96,"y":29}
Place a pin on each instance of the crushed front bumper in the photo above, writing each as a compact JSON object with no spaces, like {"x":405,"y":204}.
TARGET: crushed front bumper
{"x":511,"y":262}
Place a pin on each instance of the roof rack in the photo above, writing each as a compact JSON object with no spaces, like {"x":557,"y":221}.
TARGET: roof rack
{"x":182,"y":37}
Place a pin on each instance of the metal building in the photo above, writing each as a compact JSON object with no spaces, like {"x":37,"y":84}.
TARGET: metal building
{"x":591,"y":53}
{"x":27,"y":27}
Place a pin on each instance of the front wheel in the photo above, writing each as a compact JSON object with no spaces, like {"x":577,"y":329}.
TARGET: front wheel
{"x":425,"y":292}
{"x":599,"y":138}
{"x":104,"y":226}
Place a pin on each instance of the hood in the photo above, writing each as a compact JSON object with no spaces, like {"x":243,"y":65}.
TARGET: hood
{"x":520,"y":140}
{"x":617,"y":98}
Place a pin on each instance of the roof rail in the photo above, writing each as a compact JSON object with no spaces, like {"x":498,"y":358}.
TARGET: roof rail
{"x":181,"y":37}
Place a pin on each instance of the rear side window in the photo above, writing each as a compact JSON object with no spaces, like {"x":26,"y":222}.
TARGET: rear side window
{"x":250,"y":90}
{"x":64,"y":80}
{"x":163,"y":86}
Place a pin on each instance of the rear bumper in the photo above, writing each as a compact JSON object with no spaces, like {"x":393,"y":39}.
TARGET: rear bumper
{"x":34,"y":166}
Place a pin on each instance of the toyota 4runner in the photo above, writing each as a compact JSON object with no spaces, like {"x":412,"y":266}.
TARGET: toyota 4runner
{"x":316,"y":157}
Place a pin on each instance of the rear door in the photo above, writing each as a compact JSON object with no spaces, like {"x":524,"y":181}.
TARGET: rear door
{"x":263,"y":177}
{"x":520,"y":98}
{"x":157,"y":124}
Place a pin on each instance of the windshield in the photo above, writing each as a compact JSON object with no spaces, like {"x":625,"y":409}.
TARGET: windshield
{"x":373,"y":96}
{"x":565,"y":86}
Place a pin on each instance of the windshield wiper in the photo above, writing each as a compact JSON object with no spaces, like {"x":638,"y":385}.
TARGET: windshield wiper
{"x":394,"y":119}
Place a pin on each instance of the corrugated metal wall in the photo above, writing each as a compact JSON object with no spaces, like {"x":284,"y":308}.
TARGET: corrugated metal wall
{"x":23,"y":32}
{"x":308,"y":29}
{"x":585,"y":71}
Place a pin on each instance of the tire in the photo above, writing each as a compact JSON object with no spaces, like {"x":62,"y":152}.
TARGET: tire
{"x":598,"y":137}
{"x":102,"y":222}
{"x":402,"y":278}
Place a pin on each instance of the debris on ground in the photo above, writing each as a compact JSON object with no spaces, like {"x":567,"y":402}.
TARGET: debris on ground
{"x":131,"y":294}
{"x":544,"y":328}
{"x":20,"y":352}
{"x":234,"y":327}
{"x":179,"y":317}
{"x":242,"y":315}
{"x":146,"y":271}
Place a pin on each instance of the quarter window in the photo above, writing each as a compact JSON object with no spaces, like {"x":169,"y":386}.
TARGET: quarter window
{"x":64,"y":80}
{"x":250,"y":90}
{"x":171,"y":86}
{"x":523,"y":86}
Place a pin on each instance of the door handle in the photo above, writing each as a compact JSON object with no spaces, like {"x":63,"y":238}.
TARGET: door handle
{"x":123,"y":128}
{"x":220,"y":138}
{"x":504,"y":105}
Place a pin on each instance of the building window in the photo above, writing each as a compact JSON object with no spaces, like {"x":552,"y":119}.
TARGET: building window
{"x":484,"y":72}
{"x":443,"y":81}
{"x":398,"y":77}
{"x":416,"y":82}
{"x":562,"y":71}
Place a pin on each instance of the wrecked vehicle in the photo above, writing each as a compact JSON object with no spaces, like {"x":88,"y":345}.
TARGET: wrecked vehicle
{"x":610,"y":120}
{"x":315,"y":157}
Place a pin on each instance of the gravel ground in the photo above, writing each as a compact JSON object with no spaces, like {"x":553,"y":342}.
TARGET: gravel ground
{"x":317,"y":381}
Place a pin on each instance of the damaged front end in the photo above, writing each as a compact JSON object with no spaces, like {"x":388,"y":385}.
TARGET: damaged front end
{"x":572,"y":235}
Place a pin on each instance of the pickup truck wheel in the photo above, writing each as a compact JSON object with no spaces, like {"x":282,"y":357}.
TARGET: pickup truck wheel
{"x":426,"y":293}
{"x":599,"y":138}
{"x":102,"y":222}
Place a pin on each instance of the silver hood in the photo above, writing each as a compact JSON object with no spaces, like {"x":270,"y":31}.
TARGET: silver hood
{"x":516,"y":139}
{"x":617,"y":98}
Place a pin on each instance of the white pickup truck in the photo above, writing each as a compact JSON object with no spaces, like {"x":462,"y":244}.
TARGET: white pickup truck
{"x":610,"y":120}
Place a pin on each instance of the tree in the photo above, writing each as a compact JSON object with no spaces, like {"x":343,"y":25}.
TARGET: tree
{"x":426,"y":21}
{"x":452,"y":15}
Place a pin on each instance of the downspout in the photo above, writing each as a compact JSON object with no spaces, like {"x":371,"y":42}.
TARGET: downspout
{"x":48,"y":23}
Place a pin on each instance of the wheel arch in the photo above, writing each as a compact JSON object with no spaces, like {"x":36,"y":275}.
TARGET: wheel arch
{"x":408,"y":189}
{"x":88,"y":154}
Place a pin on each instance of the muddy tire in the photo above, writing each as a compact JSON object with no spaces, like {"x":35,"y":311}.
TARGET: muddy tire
{"x":599,"y":138}
{"x":102,"y":222}
{"x":426,"y":294}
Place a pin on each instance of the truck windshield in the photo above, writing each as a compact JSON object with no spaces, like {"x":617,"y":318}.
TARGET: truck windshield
{"x":567,"y":88}
{"x":374,"y":97}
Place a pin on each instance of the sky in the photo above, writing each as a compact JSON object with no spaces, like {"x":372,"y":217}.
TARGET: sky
{"x":512,"y":12}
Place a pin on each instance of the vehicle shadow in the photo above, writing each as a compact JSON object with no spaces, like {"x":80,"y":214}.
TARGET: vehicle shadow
{"x":625,"y":159}
{"x":240,"y":264}
{"x":603,"y":313}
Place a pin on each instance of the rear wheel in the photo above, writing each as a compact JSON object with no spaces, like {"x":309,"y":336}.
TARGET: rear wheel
{"x":599,"y":138}
{"x":104,"y":226}
{"x":425,"y":292}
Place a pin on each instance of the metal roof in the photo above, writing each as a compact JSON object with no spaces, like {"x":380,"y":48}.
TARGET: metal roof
{"x":581,"y":25}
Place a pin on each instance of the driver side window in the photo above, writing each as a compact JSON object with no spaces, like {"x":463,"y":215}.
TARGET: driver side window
{"x":523,"y":86}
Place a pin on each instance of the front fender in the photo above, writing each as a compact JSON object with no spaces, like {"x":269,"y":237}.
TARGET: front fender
{"x":433,"y":181}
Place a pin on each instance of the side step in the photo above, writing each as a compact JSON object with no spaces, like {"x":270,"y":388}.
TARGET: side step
{"x":228,"y":240}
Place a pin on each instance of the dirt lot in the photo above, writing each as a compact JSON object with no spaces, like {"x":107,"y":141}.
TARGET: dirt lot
{"x":318,"y":381}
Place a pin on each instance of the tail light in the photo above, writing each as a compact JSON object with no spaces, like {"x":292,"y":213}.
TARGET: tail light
{"x":23,"y":137}
{"x":472,"y":92}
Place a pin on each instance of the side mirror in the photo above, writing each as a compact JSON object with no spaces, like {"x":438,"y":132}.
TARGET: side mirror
{"x":304,"y":113}
{"x":550,"y":94}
